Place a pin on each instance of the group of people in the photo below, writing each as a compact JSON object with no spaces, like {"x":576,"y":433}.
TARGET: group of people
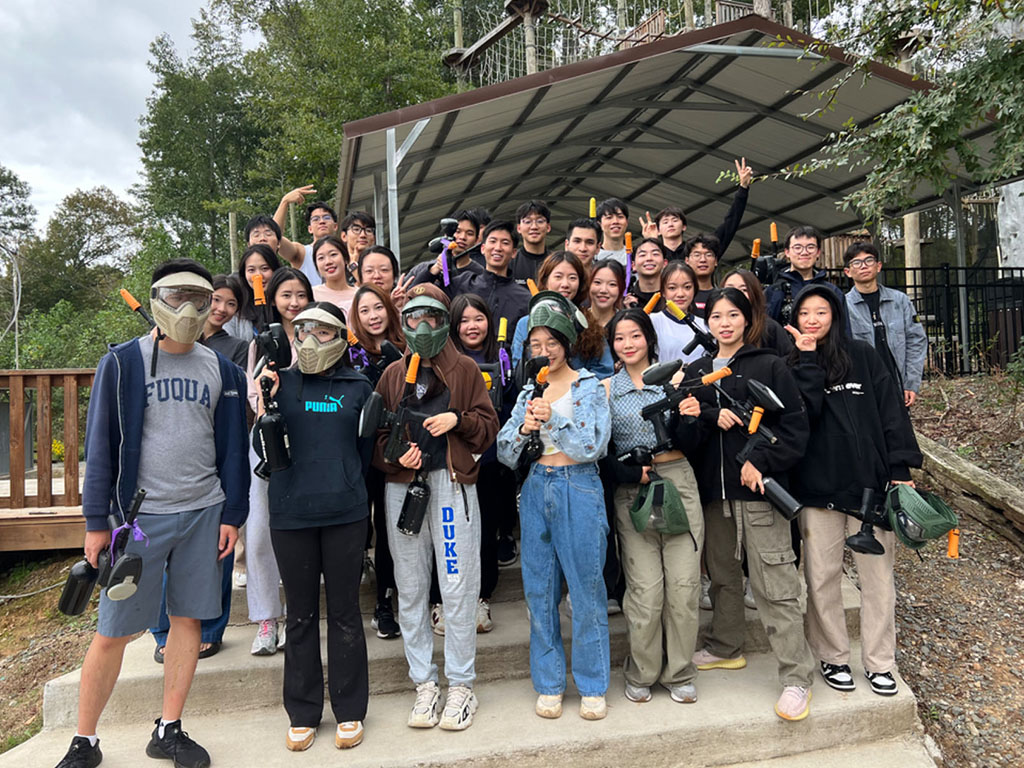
{"x":508,"y":367}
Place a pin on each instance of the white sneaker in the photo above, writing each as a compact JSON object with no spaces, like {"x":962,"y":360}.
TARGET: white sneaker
{"x":281,"y":635}
{"x":459,"y":708}
{"x":705,"y":593}
{"x":240,"y":579}
{"x":593,"y":707}
{"x":426,"y":711}
{"x":483,"y":616}
{"x":748,"y":595}
{"x":265,"y":642}
{"x":437,"y":618}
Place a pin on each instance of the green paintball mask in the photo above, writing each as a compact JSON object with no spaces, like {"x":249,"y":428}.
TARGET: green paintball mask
{"x":917,"y":518}
{"x":549,"y":309}
{"x":425,"y":324}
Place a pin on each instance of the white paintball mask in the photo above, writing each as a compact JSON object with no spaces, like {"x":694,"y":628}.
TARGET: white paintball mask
{"x":180,"y":304}
{"x":316,"y":355}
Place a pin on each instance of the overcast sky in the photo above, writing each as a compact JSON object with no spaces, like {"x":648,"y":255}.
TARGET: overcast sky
{"x":74,"y":84}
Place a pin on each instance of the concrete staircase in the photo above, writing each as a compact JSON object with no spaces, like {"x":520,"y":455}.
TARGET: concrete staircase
{"x":235,"y":711}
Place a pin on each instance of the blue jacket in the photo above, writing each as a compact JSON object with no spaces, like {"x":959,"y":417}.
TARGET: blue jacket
{"x":904,"y":334}
{"x":113,"y":437}
{"x":584,"y":439}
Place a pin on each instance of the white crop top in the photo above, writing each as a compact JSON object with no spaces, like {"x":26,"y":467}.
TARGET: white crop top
{"x":563,"y":407}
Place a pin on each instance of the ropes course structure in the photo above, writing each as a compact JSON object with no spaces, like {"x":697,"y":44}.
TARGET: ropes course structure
{"x":560,"y":32}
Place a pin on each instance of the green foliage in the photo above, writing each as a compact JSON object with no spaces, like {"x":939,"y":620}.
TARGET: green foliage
{"x":972,"y":51}
{"x":199,"y":134}
{"x":88,"y":241}
{"x":322,"y":63}
{"x":17,"y":216}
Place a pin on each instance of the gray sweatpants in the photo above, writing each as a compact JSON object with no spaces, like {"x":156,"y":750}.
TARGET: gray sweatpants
{"x":451,"y":536}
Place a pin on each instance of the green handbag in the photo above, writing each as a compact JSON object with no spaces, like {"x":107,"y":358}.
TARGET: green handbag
{"x":659,"y":506}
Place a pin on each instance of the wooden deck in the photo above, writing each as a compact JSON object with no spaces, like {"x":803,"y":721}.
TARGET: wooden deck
{"x":41,"y":508}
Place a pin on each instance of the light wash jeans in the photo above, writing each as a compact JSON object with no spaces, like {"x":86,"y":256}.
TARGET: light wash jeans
{"x":565,"y":532}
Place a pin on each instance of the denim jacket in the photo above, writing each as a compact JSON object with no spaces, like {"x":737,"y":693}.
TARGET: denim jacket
{"x":583,"y":439}
{"x":904,"y":333}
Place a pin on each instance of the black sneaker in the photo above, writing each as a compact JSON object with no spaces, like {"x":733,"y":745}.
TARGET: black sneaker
{"x":838,"y":676}
{"x":82,"y":754}
{"x":177,"y":746}
{"x":508,"y":552}
{"x":882,"y":683}
{"x":384,"y":621}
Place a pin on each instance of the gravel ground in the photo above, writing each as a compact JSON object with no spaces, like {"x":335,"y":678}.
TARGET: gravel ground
{"x":960,"y":623}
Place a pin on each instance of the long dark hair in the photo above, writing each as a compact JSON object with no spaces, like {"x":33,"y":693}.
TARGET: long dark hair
{"x":283,"y":275}
{"x":620,"y":274}
{"x":643,"y":320}
{"x":679,"y":266}
{"x":735,"y":297}
{"x":831,"y":351}
{"x":758,"y":305}
{"x":460,"y":304}
{"x":336,"y":242}
{"x":246,"y":311}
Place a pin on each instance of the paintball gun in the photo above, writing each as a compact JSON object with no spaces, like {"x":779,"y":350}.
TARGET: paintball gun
{"x":766,"y":268}
{"x":658,"y":413}
{"x":503,"y":356}
{"x":761,"y":399}
{"x":116,"y":570}
{"x":537,"y":372}
{"x":135,"y":306}
{"x":443,"y":245}
{"x":629,"y":263}
{"x":871,"y":514}
{"x":700,"y":336}
{"x":375,"y":416}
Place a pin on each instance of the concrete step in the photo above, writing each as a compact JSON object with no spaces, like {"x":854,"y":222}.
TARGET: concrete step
{"x":733,"y":721}
{"x":907,"y":752}
{"x":252,"y":682}
{"x":508,"y":589}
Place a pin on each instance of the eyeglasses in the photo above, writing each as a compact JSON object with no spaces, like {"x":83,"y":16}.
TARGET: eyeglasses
{"x":318,"y":219}
{"x":799,"y":249}
{"x":867,"y":261}
{"x":538,"y":348}
{"x":355,"y":229}
{"x":533,"y":222}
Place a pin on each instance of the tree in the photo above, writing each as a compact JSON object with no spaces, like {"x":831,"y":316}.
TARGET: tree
{"x":88,"y":243}
{"x":972,"y":52}
{"x":17,"y":215}
{"x":323,"y":63}
{"x":199,"y":134}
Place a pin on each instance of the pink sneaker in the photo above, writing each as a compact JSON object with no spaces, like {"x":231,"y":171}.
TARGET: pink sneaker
{"x":705,"y":660}
{"x":794,"y":703}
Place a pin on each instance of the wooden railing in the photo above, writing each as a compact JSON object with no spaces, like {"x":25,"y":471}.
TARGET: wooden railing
{"x":18,"y":384}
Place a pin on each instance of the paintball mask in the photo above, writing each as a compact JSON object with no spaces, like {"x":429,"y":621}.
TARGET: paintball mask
{"x":180,"y":304}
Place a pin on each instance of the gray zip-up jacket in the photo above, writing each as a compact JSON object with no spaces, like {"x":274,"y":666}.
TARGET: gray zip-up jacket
{"x":906,"y":337}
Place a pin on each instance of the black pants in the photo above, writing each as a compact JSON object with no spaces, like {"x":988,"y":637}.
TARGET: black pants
{"x":614,"y":576}
{"x":302,"y":555}
{"x":383,"y":565}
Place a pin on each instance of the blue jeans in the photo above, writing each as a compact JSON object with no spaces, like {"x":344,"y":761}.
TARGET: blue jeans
{"x":564,"y":532}
{"x":212,"y":629}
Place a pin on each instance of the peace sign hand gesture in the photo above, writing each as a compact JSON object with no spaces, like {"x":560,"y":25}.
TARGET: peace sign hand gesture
{"x":804,"y":341}
{"x":398,"y":295}
{"x":648,"y":228}
{"x":745,"y":172}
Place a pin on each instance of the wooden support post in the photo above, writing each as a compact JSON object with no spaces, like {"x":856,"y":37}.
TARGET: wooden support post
{"x":17,"y":441}
{"x":233,"y":236}
{"x":71,"y":495}
{"x":44,"y":454}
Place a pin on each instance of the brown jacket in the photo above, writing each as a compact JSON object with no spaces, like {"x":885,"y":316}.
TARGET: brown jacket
{"x":476,"y":430}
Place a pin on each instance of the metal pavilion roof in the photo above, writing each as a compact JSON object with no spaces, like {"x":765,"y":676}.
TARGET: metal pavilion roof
{"x":654,"y":125}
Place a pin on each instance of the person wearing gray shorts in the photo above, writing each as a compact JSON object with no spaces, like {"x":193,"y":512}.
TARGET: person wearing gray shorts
{"x":166,"y":415}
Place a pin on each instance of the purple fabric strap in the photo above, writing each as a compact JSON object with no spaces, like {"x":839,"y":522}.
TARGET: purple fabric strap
{"x":137,"y":533}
